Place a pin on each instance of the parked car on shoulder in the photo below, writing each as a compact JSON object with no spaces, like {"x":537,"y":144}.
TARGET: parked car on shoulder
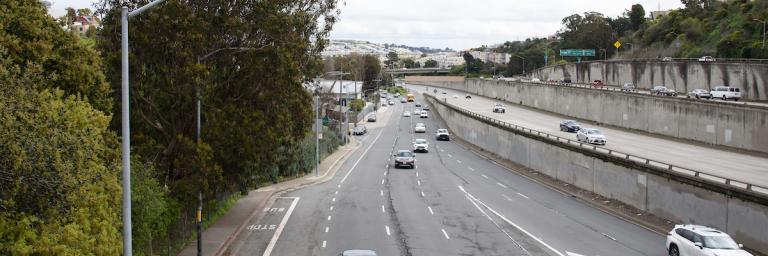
{"x":420,"y":128}
{"x":405,"y":158}
{"x":570,"y":126}
{"x":706,"y":59}
{"x":628,"y":87}
{"x":359,"y":130}
{"x":597,"y":84}
{"x":591,"y":136}
{"x":442,"y":134}
{"x":699,"y":94}
{"x":420,"y":145}
{"x":726,"y":93}
{"x":499,"y":108}
{"x":695,"y":240}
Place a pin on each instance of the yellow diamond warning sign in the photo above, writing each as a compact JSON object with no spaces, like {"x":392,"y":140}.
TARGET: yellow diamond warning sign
{"x":617,"y":44}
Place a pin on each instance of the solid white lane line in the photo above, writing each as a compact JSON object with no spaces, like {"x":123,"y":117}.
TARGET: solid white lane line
{"x":445,"y":234}
{"x":496,"y":224}
{"x":506,"y":197}
{"x":271,"y":245}
{"x":457,"y":160}
{"x":331,"y":209}
{"x":573,"y":254}
{"x":471,"y":169}
{"x":323,"y":243}
{"x":510,"y":222}
{"x":484,"y":176}
{"x":361,"y":157}
{"x":430,"y":210}
{"x":606,"y":235}
{"x":326,"y":229}
{"x":523,"y":196}
{"x":382,"y":208}
{"x":418,"y":182}
{"x":502,"y":185}
{"x":329,"y":217}
{"x":387,"y":228}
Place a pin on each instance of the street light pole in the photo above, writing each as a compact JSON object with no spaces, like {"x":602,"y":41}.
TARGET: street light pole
{"x":125,"y":14}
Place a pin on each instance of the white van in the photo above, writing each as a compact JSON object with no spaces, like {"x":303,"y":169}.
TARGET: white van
{"x":725,"y":93}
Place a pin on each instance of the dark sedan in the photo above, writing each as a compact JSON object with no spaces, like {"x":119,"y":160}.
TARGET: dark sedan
{"x":405,"y":158}
{"x":569,"y":126}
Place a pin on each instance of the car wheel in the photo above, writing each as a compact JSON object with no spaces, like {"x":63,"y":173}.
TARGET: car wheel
{"x":673,"y":251}
{"x":724,"y":98}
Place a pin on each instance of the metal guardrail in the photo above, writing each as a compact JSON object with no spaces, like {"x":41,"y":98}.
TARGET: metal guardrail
{"x":614,"y":153}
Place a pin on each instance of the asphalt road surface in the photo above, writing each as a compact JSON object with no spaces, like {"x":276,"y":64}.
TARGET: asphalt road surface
{"x":454,"y":203}
{"x":729,"y":164}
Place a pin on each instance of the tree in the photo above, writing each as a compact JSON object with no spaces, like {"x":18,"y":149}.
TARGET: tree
{"x":84,"y":12}
{"x":59,"y":188}
{"x":636,"y":16}
{"x":408,"y":63}
{"x":430,"y":64}
{"x":392,"y":58}
{"x":31,"y":36}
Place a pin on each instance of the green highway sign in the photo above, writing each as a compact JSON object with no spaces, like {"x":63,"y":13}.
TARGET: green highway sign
{"x":577,"y":52}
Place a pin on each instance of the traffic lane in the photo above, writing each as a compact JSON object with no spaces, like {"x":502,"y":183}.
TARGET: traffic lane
{"x":546,"y":212}
{"x":710,"y":160}
{"x":336,"y":216}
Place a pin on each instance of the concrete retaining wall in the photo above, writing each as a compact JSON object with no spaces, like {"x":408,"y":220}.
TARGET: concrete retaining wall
{"x":683,"y":200}
{"x":683,"y":76}
{"x":736,"y":126}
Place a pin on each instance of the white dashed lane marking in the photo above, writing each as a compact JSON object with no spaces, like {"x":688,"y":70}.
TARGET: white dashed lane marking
{"x":501,"y":185}
{"x":522,"y":195}
{"x":445,"y":234}
{"x":459,"y":161}
{"x":387,"y":228}
{"x":484,"y":176}
{"x":430,"y":210}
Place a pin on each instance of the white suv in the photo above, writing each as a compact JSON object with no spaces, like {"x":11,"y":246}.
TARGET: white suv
{"x":684,"y":240}
{"x":725,"y":93}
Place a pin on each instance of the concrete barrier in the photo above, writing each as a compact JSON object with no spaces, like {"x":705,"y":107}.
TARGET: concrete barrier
{"x":674,"y":196}
{"x":735,"y":126}
{"x":683,"y":76}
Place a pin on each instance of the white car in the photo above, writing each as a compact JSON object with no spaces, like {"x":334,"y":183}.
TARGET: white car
{"x":420,"y":145}
{"x":417,"y":112}
{"x":499,"y":108}
{"x":423,"y":114}
{"x":406,"y":114}
{"x":725,"y":93}
{"x":684,"y":240}
{"x":442,"y":134}
{"x":420,"y":128}
{"x":591,"y":136}
{"x":706,"y":59}
{"x":455,"y":96}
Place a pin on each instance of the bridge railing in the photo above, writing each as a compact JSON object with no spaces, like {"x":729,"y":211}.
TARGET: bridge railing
{"x":659,"y":165}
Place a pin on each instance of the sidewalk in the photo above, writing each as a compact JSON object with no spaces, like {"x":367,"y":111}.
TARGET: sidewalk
{"x":219,"y":236}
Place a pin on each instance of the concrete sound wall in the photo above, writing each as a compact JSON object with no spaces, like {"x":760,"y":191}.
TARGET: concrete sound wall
{"x":736,"y":126}
{"x":674,"y":197}
{"x":683,"y":76}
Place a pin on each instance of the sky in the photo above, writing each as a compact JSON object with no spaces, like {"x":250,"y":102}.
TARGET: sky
{"x":456,"y":24}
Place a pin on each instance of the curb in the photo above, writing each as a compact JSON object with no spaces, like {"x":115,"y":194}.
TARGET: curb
{"x":271,"y":196}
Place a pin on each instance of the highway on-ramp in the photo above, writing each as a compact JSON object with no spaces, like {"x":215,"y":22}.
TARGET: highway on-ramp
{"x":723,"y":163}
{"x":454,"y":203}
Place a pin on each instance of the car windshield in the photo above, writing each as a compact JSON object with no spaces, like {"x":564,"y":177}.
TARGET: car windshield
{"x":419,"y":125}
{"x":594,"y":132}
{"x":719,"y":242}
{"x":442,"y":130}
{"x":404,"y":154}
{"x":421,"y":141}
{"x":571,"y":122}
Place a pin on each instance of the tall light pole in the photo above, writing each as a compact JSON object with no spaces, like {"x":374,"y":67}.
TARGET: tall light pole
{"x":522,"y":58}
{"x":125,"y":14}
{"x":762,"y":21}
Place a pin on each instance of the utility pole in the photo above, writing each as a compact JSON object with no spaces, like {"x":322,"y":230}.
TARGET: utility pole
{"x":125,"y":14}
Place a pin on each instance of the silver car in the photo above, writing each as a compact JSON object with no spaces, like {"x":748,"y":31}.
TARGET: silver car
{"x":591,"y":136}
{"x":699,"y":93}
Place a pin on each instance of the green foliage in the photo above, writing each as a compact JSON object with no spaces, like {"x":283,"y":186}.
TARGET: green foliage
{"x":357,"y":105}
{"x":392,"y":58}
{"x":636,"y":16}
{"x":59,"y":189}
{"x":408,"y":63}
{"x":398,"y":89}
{"x":364,"y":68}
{"x":430,"y":64}
{"x":30,"y":36}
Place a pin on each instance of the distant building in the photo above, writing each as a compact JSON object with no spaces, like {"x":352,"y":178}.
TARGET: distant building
{"x":493,"y":57}
{"x":82,"y":24}
{"x":658,"y":14}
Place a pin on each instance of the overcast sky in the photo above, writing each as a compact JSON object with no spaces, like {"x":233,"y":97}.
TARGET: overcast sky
{"x":458,"y":24}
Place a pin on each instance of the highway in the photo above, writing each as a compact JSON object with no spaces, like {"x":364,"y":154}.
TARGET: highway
{"x":454,"y":203}
{"x":734,"y":165}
